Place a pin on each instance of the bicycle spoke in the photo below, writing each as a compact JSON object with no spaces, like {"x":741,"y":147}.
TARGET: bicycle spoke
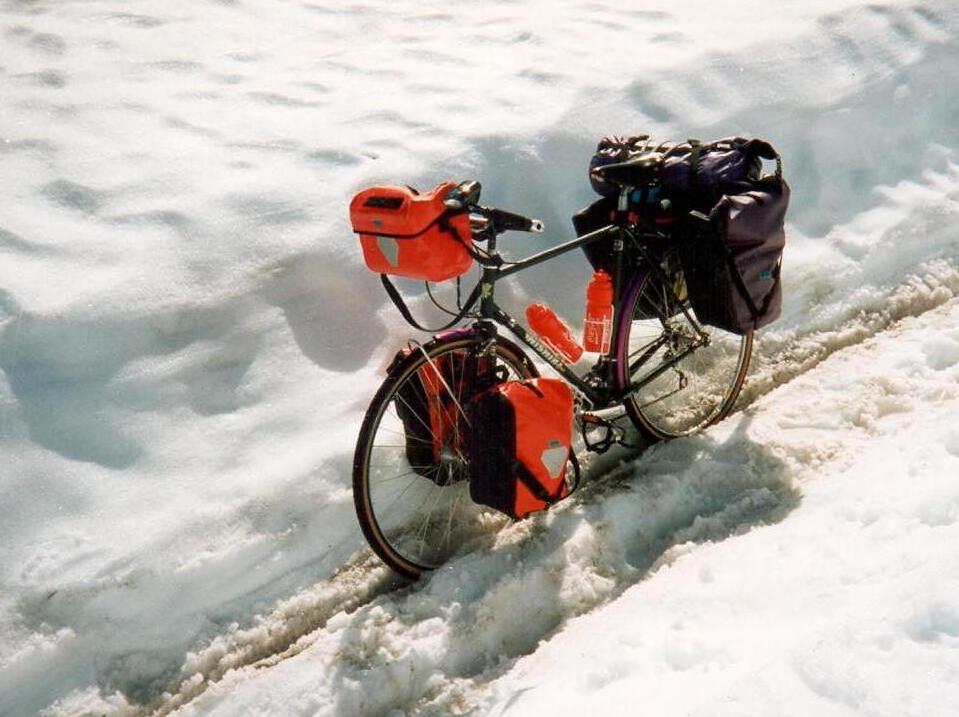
{"x":416,"y":415}
{"x":706,"y":375}
{"x":381,"y":481}
{"x":421,"y":532}
{"x":398,"y":497}
{"x":408,"y":437}
{"x":452,"y":513}
{"x":645,"y":354}
{"x":449,"y":391}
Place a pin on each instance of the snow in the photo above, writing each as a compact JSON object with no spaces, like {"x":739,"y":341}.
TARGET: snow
{"x":188,"y":340}
{"x":843,"y":604}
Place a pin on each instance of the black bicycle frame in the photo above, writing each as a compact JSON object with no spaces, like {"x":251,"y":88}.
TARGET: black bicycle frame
{"x":599,"y":385}
{"x":596,"y":392}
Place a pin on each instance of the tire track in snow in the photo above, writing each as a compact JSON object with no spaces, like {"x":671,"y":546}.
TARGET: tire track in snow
{"x":917,"y":225}
{"x":468,"y":623}
{"x":282,"y":633}
{"x":779,"y":360}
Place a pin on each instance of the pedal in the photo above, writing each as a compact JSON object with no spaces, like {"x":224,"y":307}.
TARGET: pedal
{"x":593,"y":423}
{"x":605,"y":414}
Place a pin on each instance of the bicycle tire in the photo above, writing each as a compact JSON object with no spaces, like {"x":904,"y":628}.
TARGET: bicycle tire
{"x":702,"y":388}
{"x":391,"y":493}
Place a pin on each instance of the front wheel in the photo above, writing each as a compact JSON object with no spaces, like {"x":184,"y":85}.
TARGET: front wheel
{"x":411,"y":468}
{"x":696,"y":391}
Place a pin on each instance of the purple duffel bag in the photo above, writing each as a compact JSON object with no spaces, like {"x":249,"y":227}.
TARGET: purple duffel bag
{"x":728,"y":165}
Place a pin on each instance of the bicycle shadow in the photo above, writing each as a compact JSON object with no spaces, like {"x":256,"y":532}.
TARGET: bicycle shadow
{"x":698,"y":489}
{"x":474,"y":618}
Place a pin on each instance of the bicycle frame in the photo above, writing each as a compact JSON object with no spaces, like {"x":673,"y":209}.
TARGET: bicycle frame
{"x":600,"y":385}
{"x":491,"y":311}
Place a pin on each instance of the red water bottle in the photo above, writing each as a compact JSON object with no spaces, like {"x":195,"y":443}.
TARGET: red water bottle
{"x":553,"y":332}
{"x":598,"y":327}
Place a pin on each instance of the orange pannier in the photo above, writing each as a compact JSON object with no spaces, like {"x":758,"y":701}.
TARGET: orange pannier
{"x":405,"y":233}
{"x":519,"y":445}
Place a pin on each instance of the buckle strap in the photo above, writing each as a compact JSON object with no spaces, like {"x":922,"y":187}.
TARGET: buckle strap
{"x":695,"y":148}
{"x":719,"y":228}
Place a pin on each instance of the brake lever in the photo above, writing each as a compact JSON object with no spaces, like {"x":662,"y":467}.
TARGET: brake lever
{"x":463,"y":195}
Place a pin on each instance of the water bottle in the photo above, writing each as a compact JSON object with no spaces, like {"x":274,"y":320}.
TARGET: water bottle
{"x":553,"y":332}
{"x":598,"y":327}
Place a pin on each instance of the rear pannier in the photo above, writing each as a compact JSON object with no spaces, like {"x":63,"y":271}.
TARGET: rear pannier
{"x":712,"y":202}
{"x":519,"y":445}
{"x":405,"y":233}
{"x":733,"y":259}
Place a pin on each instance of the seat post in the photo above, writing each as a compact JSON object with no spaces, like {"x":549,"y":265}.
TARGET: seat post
{"x":622,"y":208}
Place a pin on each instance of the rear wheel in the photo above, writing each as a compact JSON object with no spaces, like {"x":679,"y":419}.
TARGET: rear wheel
{"x":699,"y":389}
{"x":410,"y":469}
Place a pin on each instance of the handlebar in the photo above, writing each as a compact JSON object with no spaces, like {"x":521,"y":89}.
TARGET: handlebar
{"x":489,"y":220}
{"x":505,"y":221}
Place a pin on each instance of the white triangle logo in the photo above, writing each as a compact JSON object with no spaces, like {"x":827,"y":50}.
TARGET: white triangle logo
{"x":554,"y":458}
{"x":390,"y":249}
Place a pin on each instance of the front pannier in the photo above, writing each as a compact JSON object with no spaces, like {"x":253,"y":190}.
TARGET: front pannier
{"x":519,"y":445}
{"x":433,"y":421}
{"x":405,"y":233}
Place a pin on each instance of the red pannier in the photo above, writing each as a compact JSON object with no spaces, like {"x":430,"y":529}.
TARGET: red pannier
{"x":519,"y":445}
{"x":433,"y":420}
{"x":405,"y":233}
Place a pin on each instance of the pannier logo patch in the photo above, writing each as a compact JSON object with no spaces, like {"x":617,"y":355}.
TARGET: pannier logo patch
{"x":554,"y":457}
{"x":390,"y":249}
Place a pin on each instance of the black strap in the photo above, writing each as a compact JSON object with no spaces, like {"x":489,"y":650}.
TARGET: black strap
{"x":405,"y":311}
{"x":437,"y":220}
{"x":442,"y":220}
{"x":536,"y":488}
{"x":720,"y":230}
{"x":695,"y":147}
{"x":741,"y":285}
{"x":447,"y":226}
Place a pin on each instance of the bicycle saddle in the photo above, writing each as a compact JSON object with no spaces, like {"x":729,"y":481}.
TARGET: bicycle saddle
{"x":637,"y":171}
